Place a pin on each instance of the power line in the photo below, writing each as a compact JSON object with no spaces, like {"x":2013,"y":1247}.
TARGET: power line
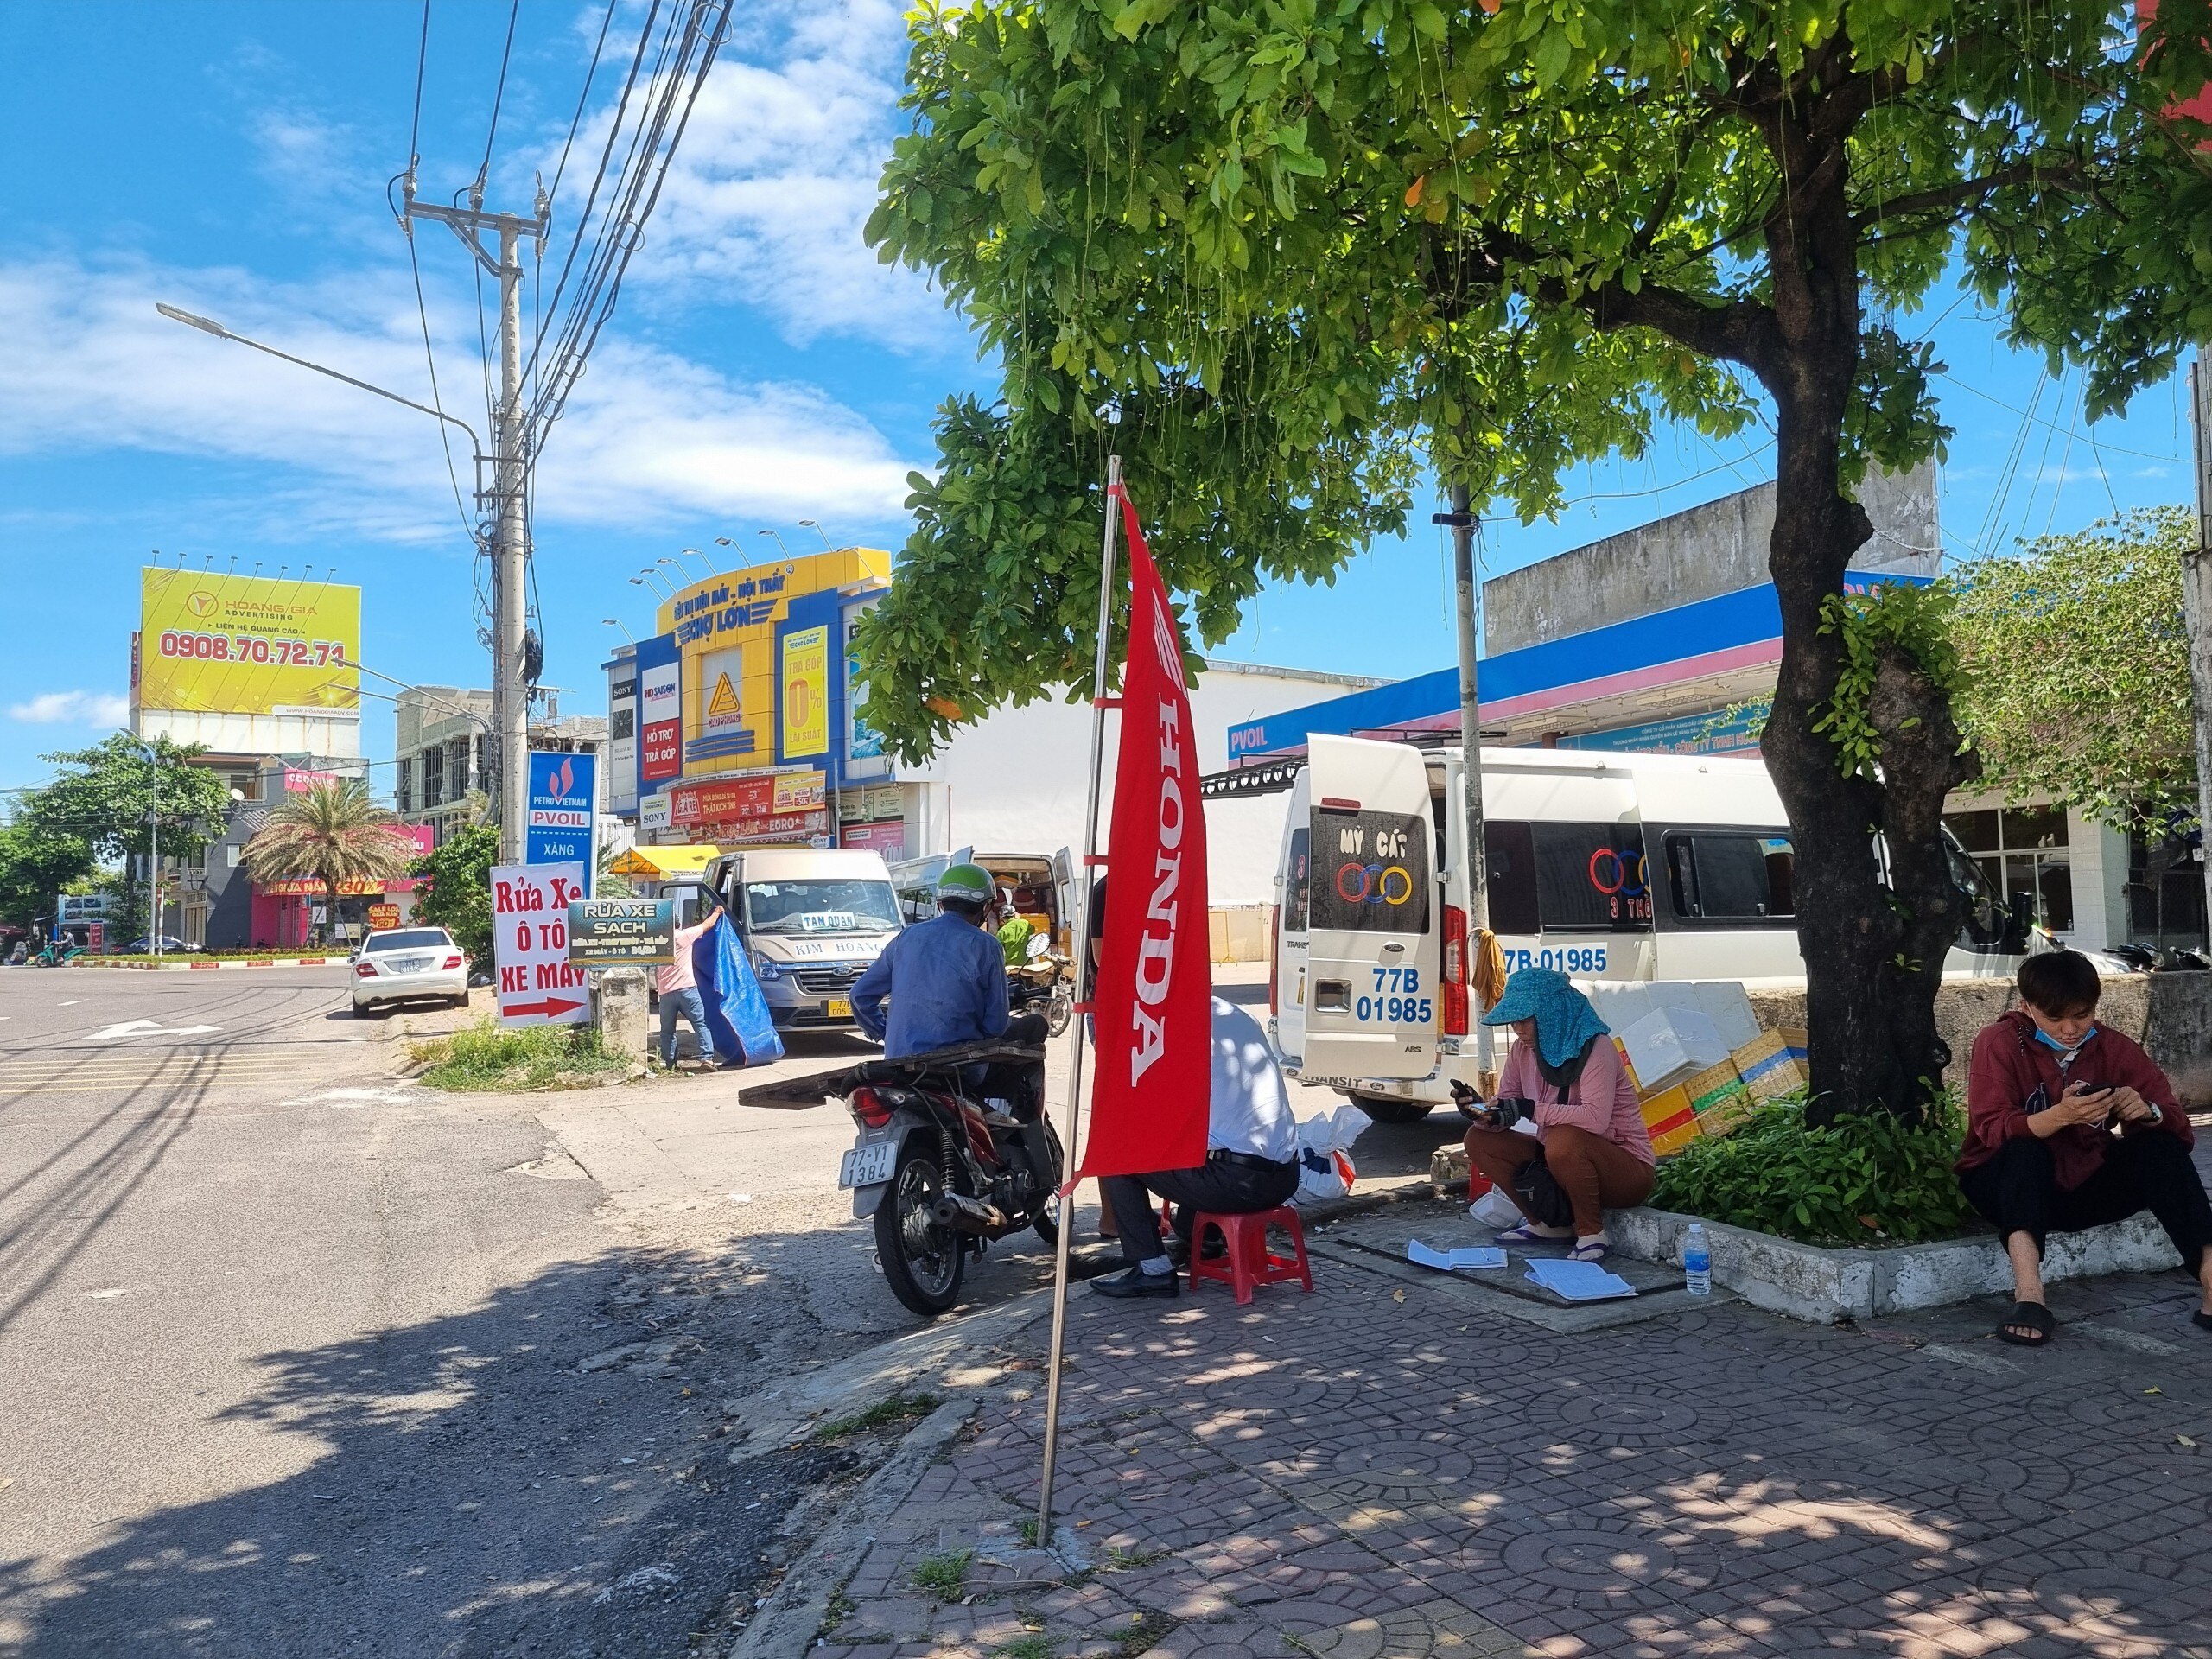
{"x":499,"y":94}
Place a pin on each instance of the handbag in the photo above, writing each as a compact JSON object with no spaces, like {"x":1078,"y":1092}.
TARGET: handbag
{"x":1540,"y":1194}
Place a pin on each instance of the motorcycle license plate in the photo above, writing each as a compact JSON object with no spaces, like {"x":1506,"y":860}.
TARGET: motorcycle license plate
{"x":869,"y":1165}
{"x":838,"y":1007}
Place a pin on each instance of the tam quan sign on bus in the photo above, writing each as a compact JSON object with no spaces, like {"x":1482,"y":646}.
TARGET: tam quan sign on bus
{"x":622,"y":932}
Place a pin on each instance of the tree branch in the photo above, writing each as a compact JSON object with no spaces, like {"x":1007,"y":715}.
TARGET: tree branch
{"x":1964,"y":191}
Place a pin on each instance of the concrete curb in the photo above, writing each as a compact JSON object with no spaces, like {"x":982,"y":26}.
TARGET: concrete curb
{"x":1821,"y":1286}
{"x":203,"y":967}
{"x":784,"y":1625}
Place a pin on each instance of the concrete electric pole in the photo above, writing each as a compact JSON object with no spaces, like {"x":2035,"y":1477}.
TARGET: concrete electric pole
{"x":1462,"y":520}
{"x":2196,"y":610}
{"x":510,"y":522}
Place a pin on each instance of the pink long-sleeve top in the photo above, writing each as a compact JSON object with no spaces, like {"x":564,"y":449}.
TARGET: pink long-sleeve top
{"x":1603,"y":1100}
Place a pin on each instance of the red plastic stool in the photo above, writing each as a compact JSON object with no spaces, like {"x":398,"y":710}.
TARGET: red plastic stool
{"x":1248,"y":1261}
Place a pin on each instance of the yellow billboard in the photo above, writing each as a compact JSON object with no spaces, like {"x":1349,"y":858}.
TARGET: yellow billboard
{"x":806,"y":692}
{"x":230,"y":644}
{"x":754,"y":649}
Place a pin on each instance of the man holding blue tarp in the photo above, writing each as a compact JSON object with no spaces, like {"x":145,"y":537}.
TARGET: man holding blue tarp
{"x":679,"y":992}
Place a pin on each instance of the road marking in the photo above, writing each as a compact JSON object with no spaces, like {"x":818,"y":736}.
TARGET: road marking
{"x":71,"y":1003}
{"x":145,"y":1029}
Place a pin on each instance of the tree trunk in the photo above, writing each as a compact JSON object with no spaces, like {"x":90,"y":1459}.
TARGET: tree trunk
{"x":1874,"y":948}
{"x":329,"y":911}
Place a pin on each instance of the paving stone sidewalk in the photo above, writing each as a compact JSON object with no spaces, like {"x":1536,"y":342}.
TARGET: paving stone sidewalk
{"x":1383,"y":1471}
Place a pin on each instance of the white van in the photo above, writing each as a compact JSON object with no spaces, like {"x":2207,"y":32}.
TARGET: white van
{"x":813,"y":920}
{"x":1604,"y":866}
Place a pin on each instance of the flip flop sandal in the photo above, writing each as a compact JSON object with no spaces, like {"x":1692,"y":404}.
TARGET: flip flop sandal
{"x":2036,"y":1317}
{"x":1526,"y":1233}
{"x":1594,"y":1251}
{"x":2201,"y":1320}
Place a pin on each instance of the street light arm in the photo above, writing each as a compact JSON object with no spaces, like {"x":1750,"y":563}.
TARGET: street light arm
{"x":208,"y":325}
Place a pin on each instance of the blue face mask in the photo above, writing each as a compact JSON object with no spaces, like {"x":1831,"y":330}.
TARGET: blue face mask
{"x":2056,"y":1046}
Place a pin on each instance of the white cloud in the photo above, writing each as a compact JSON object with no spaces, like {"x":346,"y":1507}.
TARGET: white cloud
{"x":778,"y":173}
{"x":72,"y":709}
{"x":648,"y":435}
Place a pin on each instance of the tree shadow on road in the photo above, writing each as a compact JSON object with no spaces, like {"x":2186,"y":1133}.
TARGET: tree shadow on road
{"x":545,"y":1474}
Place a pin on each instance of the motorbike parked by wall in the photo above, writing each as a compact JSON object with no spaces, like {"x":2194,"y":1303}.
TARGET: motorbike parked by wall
{"x":1044,"y":984}
{"x":940,"y":1170}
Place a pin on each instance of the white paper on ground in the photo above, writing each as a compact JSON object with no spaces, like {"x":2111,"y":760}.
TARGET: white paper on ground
{"x":1467,"y":1255}
{"x":1577,"y":1282}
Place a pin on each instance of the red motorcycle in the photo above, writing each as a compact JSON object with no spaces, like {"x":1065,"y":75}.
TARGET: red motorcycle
{"x":941,"y":1167}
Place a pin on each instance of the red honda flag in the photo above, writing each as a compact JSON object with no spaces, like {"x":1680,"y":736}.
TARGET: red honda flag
{"x":1154,"y":996}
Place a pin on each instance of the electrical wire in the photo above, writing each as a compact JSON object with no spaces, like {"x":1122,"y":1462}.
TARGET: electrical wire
{"x":499,"y":94}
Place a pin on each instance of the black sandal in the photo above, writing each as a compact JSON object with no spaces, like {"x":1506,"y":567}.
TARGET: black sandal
{"x":2201,"y":1320}
{"x":2036,"y":1317}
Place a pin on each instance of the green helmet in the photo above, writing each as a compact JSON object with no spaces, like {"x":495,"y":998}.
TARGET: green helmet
{"x":969,"y":883}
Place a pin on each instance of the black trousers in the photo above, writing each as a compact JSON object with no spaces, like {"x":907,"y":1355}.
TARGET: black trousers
{"x":1019,"y":1082}
{"x":1218,"y":1187}
{"x":2018,"y":1193}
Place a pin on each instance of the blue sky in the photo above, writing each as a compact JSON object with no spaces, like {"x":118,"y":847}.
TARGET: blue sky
{"x":763,"y":368}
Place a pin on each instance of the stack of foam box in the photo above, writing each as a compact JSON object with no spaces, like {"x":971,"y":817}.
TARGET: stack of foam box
{"x":1675,"y":1038}
{"x":1774,"y":1064}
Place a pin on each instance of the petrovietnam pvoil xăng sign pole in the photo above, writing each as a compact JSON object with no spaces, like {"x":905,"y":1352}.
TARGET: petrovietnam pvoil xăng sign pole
{"x":558,"y":828}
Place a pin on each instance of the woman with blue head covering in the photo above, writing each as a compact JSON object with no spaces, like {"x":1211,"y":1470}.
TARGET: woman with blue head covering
{"x":1589,"y":1153}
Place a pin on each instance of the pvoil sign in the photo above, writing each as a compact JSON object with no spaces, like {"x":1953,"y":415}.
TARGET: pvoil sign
{"x":559,"y":828}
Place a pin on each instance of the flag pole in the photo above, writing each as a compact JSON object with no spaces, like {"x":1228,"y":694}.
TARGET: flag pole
{"x":1078,"y":1026}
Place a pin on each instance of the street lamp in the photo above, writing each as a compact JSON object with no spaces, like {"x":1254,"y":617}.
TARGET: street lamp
{"x":153,"y":842}
{"x":209,"y":326}
{"x":779,"y":541}
{"x":822,"y":533}
{"x":609,"y":621}
{"x":703,"y":559}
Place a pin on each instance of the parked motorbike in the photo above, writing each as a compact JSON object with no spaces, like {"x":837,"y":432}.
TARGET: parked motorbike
{"x":1044,"y":984}
{"x":941,"y":1172}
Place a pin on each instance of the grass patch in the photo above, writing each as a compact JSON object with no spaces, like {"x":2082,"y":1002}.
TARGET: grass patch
{"x":1148,"y":1630}
{"x":1028,"y":1531}
{"x":480,"y":1058}
{"x":1028,"y":1647}
{"x":895,"y":1409}
{"x":841,"y":1607}
{"x":1863,"y":1180}
{"x":944,"y":1576}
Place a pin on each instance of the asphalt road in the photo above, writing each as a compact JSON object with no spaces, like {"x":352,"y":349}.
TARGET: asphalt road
{"x":298,"y":1358}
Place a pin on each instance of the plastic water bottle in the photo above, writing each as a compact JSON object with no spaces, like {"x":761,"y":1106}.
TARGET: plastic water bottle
{"x":1697,"y":1262}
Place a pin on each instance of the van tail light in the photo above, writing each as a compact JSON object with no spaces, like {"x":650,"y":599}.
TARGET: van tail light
{"x":869,"y":1107}
{"x":451,"y":962}
{"x":1455,"y":971}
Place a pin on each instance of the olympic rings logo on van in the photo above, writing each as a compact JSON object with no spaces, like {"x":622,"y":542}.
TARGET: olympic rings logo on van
{"x":1374,"y":881}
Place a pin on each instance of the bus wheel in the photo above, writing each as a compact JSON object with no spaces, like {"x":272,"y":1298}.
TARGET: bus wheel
{"x":1386,"y":1108}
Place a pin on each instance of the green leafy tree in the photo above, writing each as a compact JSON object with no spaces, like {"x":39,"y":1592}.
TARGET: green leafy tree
{"x":35,"y":865}
{"x":2079,"y":659}
{"x":106,"y":796}
{"x":1272,"y":251}
{"x":330,"y":832}
{"x":459,"y":896}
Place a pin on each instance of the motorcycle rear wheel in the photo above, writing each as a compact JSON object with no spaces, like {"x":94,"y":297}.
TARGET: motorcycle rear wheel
{"x":1057,"y":1013}
{"x":923,"y":1262}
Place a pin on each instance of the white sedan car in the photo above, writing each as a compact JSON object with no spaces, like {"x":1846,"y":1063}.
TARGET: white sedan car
{"x":403,"y":964}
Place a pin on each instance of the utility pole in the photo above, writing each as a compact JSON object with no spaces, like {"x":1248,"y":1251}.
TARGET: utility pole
{"x":510,"y":473}
{"x":1462,"y":520}
{"x":2196,"y":610}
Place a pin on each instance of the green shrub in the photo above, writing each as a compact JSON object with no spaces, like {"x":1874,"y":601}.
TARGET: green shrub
{"x":482,"y":1057}
{"x":1862,"y":1179}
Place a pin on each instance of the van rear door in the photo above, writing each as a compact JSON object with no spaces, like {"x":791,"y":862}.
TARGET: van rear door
{"x":1371,"y":998}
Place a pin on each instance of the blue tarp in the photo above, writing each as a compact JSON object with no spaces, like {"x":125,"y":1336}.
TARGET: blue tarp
{"x":737,"y":1013}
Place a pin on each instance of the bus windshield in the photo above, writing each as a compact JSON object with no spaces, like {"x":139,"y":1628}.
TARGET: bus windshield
{"x":848,"y":907}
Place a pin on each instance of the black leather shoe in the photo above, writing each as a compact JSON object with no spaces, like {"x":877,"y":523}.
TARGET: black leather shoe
{"x":1135,"y":1281}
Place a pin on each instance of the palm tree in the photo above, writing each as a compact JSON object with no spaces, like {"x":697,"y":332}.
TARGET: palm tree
{"x":331,"y":832}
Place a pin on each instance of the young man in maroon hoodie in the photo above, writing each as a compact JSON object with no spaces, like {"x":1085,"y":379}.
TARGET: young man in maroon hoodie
{"x":2070,"y":1126}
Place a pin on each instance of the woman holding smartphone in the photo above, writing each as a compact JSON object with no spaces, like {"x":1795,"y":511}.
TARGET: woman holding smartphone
{"x":2071,"y":1126}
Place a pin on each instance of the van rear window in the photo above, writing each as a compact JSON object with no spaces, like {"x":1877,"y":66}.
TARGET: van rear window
{"x":1371,"y":872}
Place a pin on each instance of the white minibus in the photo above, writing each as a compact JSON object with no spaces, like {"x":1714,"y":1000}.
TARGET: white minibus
{"x":1604,"y":866}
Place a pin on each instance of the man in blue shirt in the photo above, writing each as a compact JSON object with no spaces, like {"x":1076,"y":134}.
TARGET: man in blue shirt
{"x":946,"y":978}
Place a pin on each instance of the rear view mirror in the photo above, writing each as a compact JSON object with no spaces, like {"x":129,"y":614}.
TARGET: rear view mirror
{"x":1038,"y":946}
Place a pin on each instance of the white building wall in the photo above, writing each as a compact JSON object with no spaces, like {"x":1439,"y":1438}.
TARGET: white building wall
{"x":1015,"y":781}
